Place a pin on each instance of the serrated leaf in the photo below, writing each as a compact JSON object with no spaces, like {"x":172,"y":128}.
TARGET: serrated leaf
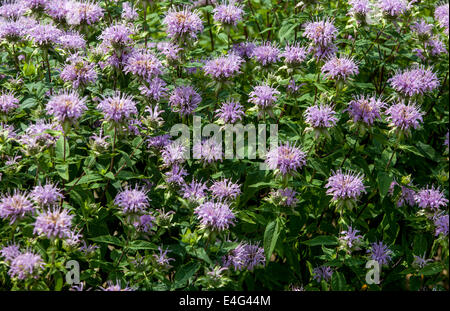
{"x":270,"y":237}
{"x":108,"y":239}
{"x":322,"y":240}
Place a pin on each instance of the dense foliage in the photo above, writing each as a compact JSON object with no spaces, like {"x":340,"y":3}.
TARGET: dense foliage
{"x":89,"y":93}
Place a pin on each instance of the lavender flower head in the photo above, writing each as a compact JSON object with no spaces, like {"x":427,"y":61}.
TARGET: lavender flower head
{"x":155,"y":90}
{"x":128,"y":13}
{"x":243,"y":49}
{"x":266,"y":54}
{"x":254,"y":256}
{"x":185,"y":100}
{"x":15,"y":206}
{"x":228,"y":13}
{"x":162,"y":260}
{"x":286,"y":159}
{"x":225,"y":189}
{"x":44,"y":35}
{"x":406,"y":195}
{"x":36,"y":137}
{"x":441,"y":14}
{"x":116,"y":37}
{"x":422,"y":29}
{"x":350,"y":238}
{"x":72,"y":41}
{"x":116,"y":287}
{"x":143,"y":64}
{"x":183,"y":23}
{"x":415,"y":81}
{"x":294,"y":54}
{"x":340,"y":68}
{"x":223,"y":67}
{"x":360,"y":8}
{"x":194,"y":191}
{"x":345,"y":185}
{"x":430,"y":198}
{"x":321,"y":32}
{"x":83,"y":12}
{"x":53,"y":223}
{"x":118,"y":108}
{"x":365,"y":109}
{"x":145,"y":223}
{"x":284,"y":197}
{"x":132,"y":201}
{"x":441,"y":224}
{"x":26,"y":265}
{"x":320,"y":116}
{"x":393,"y":8}
{"x":176,"y":175}
{"x":230,"y":112}
{"x":404,"y":117}
{"x":208,"y":150}
{"x":66,"y":106}
{"x":170,"y":50}
{"x":10,"y":252}
{"x":245,"y":256}
{"x":216,"y":216}
{"x":173,"y":154}
{"x":48,"y":194}
{"x":322,"y":273}
{"x":12,"y":10}
{"x":78,"y":71}
{"x":8,"y":102}
{"x":420,"y":261}
{"x":380,"y":253}
{"x":264,"y":97}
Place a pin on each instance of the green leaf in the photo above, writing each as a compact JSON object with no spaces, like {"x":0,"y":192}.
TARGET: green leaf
{"x":426,"y":150}
{"x":185,"y":272}
{"x":270,"y":237}
{"x":108,"y":239}
{"x":58,"y":281}
{"x":139,"y":244}
{"x":433,"y":268}
{"x":322,"y":240}
{"x":86,"y":179}
{"x":338,"y":281}
{"x":63,"y":170}
{"x":60,"y":148}
{"x":384,"y":181}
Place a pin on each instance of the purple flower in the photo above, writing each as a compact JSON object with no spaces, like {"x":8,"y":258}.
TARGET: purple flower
{"x":36,"y":4}
{"x":176,"y":175}
{"x":266,"y":53}
{"x":350,"y":237}
{"x":420,"y":261}
{"x":53,"y":223}
{"x":46,"y":195}
{"x":116,"y":287}
{"x":169,"y":49}
{"x":118,"y":108}
{"x":132,"y":201}
{"x":360,"y":7}
{"x":12,"y":31}
{"x":393,"y":8}
{"x":155,"y":90}
{"x":83,"y":12}
{"x":173,"y":153}
{"x":365,"y":109}
{"x":435,"y":46}
{"x":430,"y":198}
{"x":347,"y":185}
{"x":254,"y":256}
{"x":321,"y":32}
{"x":223,"y":67}
{"x":66,"y":106}
{"x":145,"y":223}
{"x":10,"y":252}
{"x":228,"y":13}
{"x":245,"y":256}
{"x":320,"y":116}
{"x":216,"y":216}
{"x":37,"y":137}
{"x":8,"y":102}
{"x":162,"y":260}
{"x":44,"y":35}
{"x":264,"y":97}
{"x":294,"y":54}
{"x":128,"y":13}
{"x":72,"y":41}
{"x":322,"y":273}
{"x":26,"y":265}
{"x":441,"y":14}
{"x":406,"y":195}
{"x":15,"y":206}
{"x":286,"y":158}
{"x":243,"y":49}
{"x":116,"y":37}
{"x":158,"y":142}
{"x":208,"y":150}
{"x":380,"y":253}
{"x":441,"y":224}
{"x":417,"y":80}
{"x":422,"y":29}
{"x":284,"y":197}
{"x":78,"y":71}
{"x":225,"y":189}
{"x":194,"y":191}
{"x":185,"y":100}
{"x":403,"y":116}
{"x":230,"y":112}
{"x":323,"y":52}
{"x":12,"y":9}
{"x":446,"y":141}
{"x":143,"y":64}
{"x":183,"y":23}
{"x":340,"y":68}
